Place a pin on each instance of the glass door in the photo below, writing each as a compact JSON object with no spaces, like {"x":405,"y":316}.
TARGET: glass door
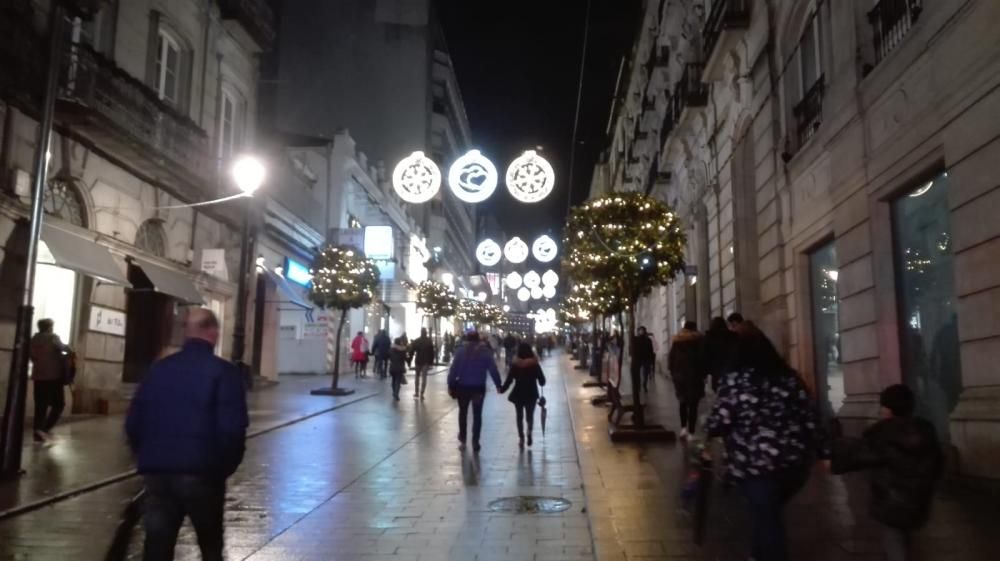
{"x":823,"y":277}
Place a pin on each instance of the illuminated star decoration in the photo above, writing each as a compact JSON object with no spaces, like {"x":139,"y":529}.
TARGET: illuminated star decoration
{"x":488,"y":252}
{"x":514,"y":280}
{"x":530,"y":177}
{"x":473,"y":177}
{"x":516,"y":251}
{"x":544,"y":249}
{"x":416,"y":178}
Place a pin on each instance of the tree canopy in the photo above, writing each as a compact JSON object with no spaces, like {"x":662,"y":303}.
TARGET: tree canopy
{"x":343,"y":278}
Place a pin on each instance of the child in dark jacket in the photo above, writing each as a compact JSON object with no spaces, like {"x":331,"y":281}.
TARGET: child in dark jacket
{"x":905,"y":461}
{"x":397,"y":365}
{"x":526,"y":375}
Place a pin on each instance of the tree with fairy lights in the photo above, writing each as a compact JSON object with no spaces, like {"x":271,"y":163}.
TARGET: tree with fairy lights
{"x":437,"y":301}
{"x":342,"y":279}
{"x":622,"y":245}
{"x":469,"y":310}
{"x":490,"y":314}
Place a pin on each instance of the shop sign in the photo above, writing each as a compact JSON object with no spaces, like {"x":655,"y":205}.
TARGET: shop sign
{"x":314,"y":330}
{"x":378,"y":242}
{"x":213,"y":262}
{"x":106,"y":320}
{"x":287,"y":332}
{"x":297,"y":272}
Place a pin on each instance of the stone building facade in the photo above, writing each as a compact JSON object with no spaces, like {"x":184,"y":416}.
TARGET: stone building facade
{"x":832,"y":163}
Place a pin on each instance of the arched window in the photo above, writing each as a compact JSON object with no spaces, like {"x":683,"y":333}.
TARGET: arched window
{"x":63,"y":200}
{"x":152,"y":238}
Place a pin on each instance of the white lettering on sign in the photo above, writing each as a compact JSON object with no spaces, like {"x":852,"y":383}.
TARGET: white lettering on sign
{"x":106,"y":320}
{"x":213,"y":262}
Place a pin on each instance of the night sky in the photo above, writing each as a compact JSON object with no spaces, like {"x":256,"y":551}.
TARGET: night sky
{"x":518,"y":64}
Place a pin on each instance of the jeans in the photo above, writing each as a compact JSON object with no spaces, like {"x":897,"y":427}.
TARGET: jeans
{"x":381,"y":366}
{"x":49,"y":403}
{"x":767,"y":495}
{"x":646,"y":372}
{"x":421,"y":374}
{"x":689,"y":415}
{"x":895,"y":544}
{"x":475,"y":396}
{"x":508,"y":356}
{"x":525,"y":410}
{"x":169,"y":498}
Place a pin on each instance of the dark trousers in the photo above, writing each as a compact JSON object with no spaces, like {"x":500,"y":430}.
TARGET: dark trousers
{"x":49,"y":403}
{"x":169,"y":498}
{"x":689,"y":415}
{"x":646,"y":371}
{"x":474,"y":396}
{"x":525,"y":411}
{"x":767,"y":496}
{"x":397,"y":381}
{"x":381,"y":366}
{"x":421,"y":374}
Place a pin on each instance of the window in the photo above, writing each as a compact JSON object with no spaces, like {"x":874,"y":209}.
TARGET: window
{"x":62,"y":199}
{"x":925,"y":288}
{"x":809,"y":57}
{"x":168,"y":67}
{"x":151,"y":237}
{"x":228,"y":115}
{"x":353,"y":222}
{"x":810,"y":87}
{"x":826,"y":329}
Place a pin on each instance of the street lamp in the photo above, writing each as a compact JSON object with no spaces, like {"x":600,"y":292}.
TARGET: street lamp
{"x":248,"y":173}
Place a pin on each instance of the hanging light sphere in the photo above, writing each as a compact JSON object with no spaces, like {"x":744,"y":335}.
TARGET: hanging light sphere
{"x":473,"y":177}
{"x":544,"y":248}
{"x":488,"y":252}
{"x":550,"y":278}
{"x":549,"y":291}
{"x":530,"y":177}
{"x":516,"y":251}
{"x":514,"y":280}
{"x":537,"y":293}
{"x":249,"y":174}
{"x":416,"y":178}
{"x":532,"y":280}
{"x":523,"y":294}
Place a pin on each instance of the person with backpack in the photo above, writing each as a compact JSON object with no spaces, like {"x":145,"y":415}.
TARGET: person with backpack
{"x":527,"y":376}
{"x":904,"y":460}
{"x":51,"y":370}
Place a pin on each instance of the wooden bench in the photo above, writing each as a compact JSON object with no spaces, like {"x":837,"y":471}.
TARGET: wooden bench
{"x":617,"y":401}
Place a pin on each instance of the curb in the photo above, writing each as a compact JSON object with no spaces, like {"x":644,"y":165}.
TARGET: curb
{"x":59,"y":497}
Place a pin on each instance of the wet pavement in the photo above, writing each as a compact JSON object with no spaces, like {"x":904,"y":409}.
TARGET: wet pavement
{"x":376,"y":480}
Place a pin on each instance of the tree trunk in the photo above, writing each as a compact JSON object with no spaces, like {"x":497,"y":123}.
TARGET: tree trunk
{"x":639,"y":415}
{"x":336,"y":352}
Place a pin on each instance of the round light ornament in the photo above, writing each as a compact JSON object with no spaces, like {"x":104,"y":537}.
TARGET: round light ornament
{"x":532,"y":280}
{"x":523,"y":294}
{"x":514,"y":280}
{"x":530,"y":177}
{"x":549,"y":291}
{"x":489,"y":253}
{"x":473,"y":177}
{"x":544,"y":248}
{"x":416,"y":178}
{"x":550,"y":278}
{"x":536,"y":293}
{"x":515,"y":250}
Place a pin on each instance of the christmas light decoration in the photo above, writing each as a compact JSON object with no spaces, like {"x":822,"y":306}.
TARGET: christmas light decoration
{"x":489,"y":253}
{"x":473,"y":177}
{"x":523,"y":294}
{"x":532,"y":280}
{"x":549,"y":291}
{"x":416,"y":178}
{"x":514,"y":280}
{"x":530,"y":177}
{"x":536,"y":293}
{"x":544,"y":249}
{"x":516,"y":251}
{"x":550,"y":278}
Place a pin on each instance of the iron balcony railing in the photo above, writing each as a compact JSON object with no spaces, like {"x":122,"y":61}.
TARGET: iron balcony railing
{"x":690,"y":90}
{"x":809,"y":111}
{"x":725,"y":15}
{"x":891,"y":20}
{"x":255,"y":16}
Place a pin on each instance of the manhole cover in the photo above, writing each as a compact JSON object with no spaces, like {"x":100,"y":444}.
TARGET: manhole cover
{"x":530,"y":505}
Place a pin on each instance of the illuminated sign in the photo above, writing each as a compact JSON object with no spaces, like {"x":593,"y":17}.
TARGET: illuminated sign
{"x":297,"y":272}
{"x":378,"y":242}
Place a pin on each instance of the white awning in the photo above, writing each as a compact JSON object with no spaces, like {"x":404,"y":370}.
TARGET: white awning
{"x":79,"y":253}
{"x":165,"y":281}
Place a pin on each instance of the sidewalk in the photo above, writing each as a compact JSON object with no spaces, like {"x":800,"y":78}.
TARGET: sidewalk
{"x":92,"y":451}
{"x":633,"y":502}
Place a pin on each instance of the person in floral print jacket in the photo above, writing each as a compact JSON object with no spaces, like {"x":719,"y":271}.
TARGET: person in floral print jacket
{"x":772,"y":435}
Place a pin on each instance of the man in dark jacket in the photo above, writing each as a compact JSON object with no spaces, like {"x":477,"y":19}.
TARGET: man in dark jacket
{"x":686,"y":363}
{"x":380,"y":349}
{"x":49,"y":356}
{"x":187,"y":427}
{"x":423,"y":358}
{"x":509,"y":348}
{"x":905,"y":459}
{"x":467,"y":383}
{"x":645,"y":356}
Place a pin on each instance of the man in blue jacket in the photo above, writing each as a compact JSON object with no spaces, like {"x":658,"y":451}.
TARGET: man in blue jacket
{"x":187,"y":427}
{"x":467,"y":383}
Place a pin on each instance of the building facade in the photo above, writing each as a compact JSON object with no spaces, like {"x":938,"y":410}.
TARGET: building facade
{"x":831,"y":162}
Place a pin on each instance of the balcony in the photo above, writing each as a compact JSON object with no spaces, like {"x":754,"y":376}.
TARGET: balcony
{"x":125,"y":119}
{"x":891,"y":20}
{"x":726,"y":22}
{"x":690,"y":91}
{"x":809,"y":112}
{"x":255,"y":16}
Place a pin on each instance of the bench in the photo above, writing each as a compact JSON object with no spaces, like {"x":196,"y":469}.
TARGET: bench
{"x":616,"y":399}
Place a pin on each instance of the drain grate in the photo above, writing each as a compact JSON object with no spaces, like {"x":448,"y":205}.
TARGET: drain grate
{"x":530,"y":505}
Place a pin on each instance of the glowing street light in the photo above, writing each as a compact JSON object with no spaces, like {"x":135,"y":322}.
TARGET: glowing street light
{"x":249,"y":174}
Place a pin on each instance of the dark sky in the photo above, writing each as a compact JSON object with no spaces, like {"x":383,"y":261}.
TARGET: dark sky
{"x":518,"y":64}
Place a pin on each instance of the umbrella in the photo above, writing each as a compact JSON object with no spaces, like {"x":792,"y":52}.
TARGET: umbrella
{"x":545,"y":413}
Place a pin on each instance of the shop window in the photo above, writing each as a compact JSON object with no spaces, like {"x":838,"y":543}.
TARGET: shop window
{"x":63,"y":200}
{"x":925,"y":288}
{"x":152,"y":238}
{"x":823,"y":276}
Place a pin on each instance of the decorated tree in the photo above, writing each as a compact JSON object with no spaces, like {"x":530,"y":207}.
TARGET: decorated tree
{"x":622,"y":245}
{"x":469,"y":310}
{"x":342,"y":279}
{"x":436,"y":300}
{"x":490,"y":314}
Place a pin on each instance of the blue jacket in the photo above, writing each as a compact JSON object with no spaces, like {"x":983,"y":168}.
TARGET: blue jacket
{"x":472,"y":362}
{"x":189,"y":415}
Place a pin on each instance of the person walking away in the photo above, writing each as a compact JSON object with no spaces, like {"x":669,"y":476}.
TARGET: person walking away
{"x":359,"y":354}
{"x":187,"y":428}
{"x":467,"y":383}
{"x":905,"y":462}
{"x":423,"y":356}
{"x":720,"y":344}
{"x":50,"y":365}
{"x":735,"y":322}
{"x":509,"y":348}
{"x":772,"y":436}
{"x":688,"y":373}
{"x":380,"y":350}
{"x":526,"y":375}
{"x":397,"y":365}
{"x":645,"y":356}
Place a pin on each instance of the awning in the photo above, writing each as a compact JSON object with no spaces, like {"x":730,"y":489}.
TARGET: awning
{"x":289,"y":292}
{"x":165,"y":281}
{"x":78,"y":253}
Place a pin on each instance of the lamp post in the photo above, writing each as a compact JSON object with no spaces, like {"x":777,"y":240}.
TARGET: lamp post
{"x":249,"y":174}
